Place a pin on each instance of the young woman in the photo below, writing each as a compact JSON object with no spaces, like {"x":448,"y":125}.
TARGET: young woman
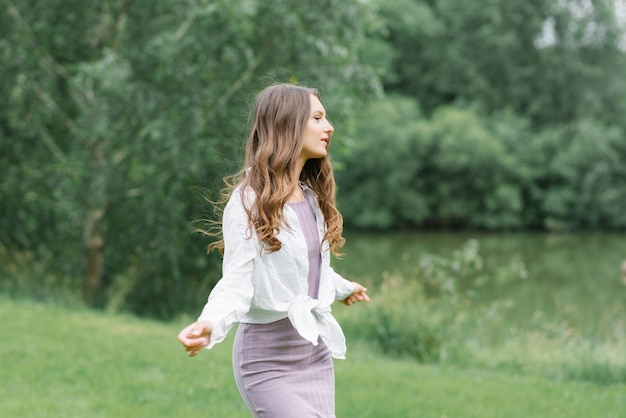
{"x":278,"y":229}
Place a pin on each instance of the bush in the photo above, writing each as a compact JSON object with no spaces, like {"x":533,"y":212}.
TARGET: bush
{"x":378,"y":177}
{"x":435,"y":314}
{"x":404,"y":169}
{"x":589,"y":189}
{"x":428,"y":312}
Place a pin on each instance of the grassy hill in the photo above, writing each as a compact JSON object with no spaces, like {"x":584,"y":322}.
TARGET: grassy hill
{"x":61,"y":362}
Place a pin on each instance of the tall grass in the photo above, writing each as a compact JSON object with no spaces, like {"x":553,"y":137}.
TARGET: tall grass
{"x":28,"y":276}
{"x":434,"y":313}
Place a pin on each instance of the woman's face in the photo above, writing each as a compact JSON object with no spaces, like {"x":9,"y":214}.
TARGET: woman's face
{"x":317,"y":133}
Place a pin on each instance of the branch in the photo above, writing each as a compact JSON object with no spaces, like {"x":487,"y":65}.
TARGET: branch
{"x":17,"y":17}
{"x":225,"y":97}
{"x":54,"y":148}
{"x":54,"y":107}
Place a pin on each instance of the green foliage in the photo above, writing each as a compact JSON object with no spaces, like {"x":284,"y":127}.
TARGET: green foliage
{"x":590,"y":179}
{"x":377,"y":184}
{"x":117,"y":110}
{"x":461,"y":169}
{"x":507,"y":92}
{"x":551,"y":61}
{"x":499,"y":115}
{"x":569,"y":177}
{"x":472,"y":174}
{"x":448,"y":170}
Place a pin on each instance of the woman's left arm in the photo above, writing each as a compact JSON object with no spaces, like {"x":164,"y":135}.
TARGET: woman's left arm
{"x":348,"y":292}
{"x":359,"y":295}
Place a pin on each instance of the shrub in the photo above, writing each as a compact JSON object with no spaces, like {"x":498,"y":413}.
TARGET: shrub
{"x":428,"y":312}
{"x":435,"y":313}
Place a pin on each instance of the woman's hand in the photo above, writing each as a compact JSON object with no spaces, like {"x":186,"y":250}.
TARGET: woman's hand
{"x":359,"y":295}
{"x":196,"y":336}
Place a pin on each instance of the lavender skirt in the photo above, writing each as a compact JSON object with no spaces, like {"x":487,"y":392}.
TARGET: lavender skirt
{"x":280,"y":374}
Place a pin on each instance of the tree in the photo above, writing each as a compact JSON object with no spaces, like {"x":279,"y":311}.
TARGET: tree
{"x":379,"y":177}
{"x":589,"y":190}
{"x":106,"y":137}
{"x":551,"y":61}
{"x":408,"y":170}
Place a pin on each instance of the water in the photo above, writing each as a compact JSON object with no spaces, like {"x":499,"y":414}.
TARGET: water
{"x":574,"y":279}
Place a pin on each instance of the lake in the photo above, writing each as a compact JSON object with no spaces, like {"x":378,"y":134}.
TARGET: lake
{"x":573,"y":278}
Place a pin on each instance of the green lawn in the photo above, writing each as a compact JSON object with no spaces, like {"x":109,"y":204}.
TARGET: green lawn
{"x":58,"y":362}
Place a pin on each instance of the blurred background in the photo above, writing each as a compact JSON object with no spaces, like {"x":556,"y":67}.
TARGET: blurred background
{"x":479,"y":145}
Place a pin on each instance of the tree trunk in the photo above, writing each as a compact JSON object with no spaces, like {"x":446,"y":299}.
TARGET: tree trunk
{"x":94,"y":244}
{"x":94,"y":236}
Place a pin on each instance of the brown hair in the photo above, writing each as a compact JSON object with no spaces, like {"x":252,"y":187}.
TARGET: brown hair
{"x":274,"y":144}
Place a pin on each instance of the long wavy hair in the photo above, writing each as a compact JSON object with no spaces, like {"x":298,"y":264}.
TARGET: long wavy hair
{"x":274,"y":144}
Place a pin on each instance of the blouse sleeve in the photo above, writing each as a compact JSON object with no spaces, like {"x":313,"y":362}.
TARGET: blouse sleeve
{"x":231,"y":297}
{"x":343,"y":287}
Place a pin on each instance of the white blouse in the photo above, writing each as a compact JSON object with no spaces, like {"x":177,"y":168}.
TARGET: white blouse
{"x":260,"y":287}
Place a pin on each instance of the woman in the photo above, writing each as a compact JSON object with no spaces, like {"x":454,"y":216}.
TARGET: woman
{"x":278,"y":229}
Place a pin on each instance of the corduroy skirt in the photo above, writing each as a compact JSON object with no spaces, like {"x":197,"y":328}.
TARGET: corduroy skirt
{"x":280,"y":374}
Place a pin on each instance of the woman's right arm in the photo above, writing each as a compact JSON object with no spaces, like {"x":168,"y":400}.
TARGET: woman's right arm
{"x":231,"y":297}
{"x":195,"y":337}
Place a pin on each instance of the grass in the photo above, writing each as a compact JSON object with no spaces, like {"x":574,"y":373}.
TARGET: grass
{"x":59,"y":362}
